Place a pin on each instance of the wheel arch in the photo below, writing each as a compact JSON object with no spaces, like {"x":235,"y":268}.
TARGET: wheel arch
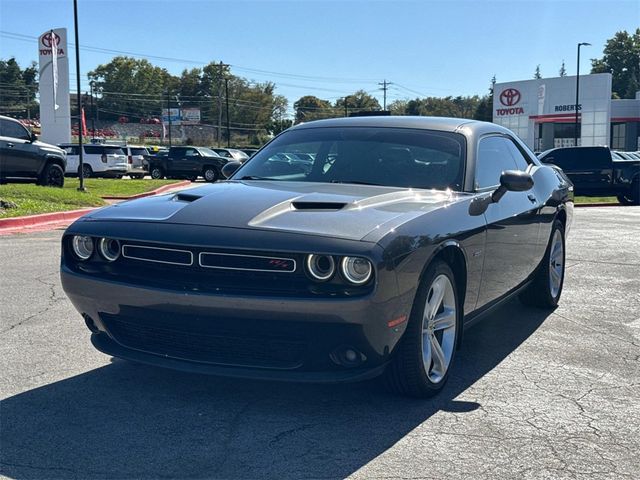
{"x":452,"y":253}
{"x":48,"y":159}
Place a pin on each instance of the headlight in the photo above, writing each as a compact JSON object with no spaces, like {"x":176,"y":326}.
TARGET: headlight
{"x":321,"y":267}
{"x":356,"y":270}
{"x":109,"y":248}
{"x":82,"y":246}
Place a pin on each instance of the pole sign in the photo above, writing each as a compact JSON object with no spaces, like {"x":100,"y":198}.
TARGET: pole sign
{"x":53,"y":68}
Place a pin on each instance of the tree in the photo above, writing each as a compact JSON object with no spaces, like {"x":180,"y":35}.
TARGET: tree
{"x":132,"y":87}
{"x":18,"y":88}
{"x":357,"y":102}
{"x":484,"y":111}
{"x":312,"y":108}
{"x":398,"y":107}
{"x":621,"y":58}
{"x":537,"y":75}
{"x":563,"y":70}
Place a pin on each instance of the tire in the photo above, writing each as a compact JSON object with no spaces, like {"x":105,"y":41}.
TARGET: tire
{"x":87,"y":171}
{"x":414,"y":370}
{"x":157,"y":173}
{"x":546,"y":288}
{"x":52,"y":176}
{"x":632,"y":197}
{"x":210,"y":174}
{"x":193,"y":178}
{"x":137,"y":177}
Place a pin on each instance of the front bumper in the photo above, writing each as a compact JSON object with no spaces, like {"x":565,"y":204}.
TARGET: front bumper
{"x":274,"y":338}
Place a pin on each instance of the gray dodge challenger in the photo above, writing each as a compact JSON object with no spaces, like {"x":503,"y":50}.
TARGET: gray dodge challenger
{"x":342,"y":250}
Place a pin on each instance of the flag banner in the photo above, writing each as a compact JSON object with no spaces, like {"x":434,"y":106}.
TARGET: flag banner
{"x":54,"y":67}
{"x":84,"y":124}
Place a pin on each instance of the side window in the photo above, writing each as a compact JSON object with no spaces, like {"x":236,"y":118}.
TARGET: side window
{"x":518,"y":157}
{"x":493,"y":158}
{"x":13,"y":130}
{"x":71,"y":150}
{"x":93,"y":150}
{"x":191,"y":152}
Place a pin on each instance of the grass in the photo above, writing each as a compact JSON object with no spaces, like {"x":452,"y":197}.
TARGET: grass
{"x":32,"y":199}
{"x":596,"y":200}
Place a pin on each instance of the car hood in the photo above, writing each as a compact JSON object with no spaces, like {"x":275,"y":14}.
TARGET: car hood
{"x":335,"y":210}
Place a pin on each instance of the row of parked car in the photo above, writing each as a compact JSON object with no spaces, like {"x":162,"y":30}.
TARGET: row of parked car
{"x":23,"y":156}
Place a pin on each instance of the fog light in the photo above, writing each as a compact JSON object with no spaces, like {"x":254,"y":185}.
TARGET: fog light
{"x":82,"y":246}
{"x":321,"y":267}
{"x":356,"y":270}
{"x":347,"y":356}
{"x":109,"y":248}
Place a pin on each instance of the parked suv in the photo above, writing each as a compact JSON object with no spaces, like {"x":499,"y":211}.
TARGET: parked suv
{"x":137,"y":157}
{"x":98,"y":160}
{"x":595,"y":173}
{"x":22,"y":156}
{"x":188,"y":162}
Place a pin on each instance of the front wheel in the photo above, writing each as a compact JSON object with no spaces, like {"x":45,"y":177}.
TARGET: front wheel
{"x":421,"y":365}
{"x":210,"y":174}
{"x":52,"y":176}
{"x":157,"y":173}
{"x":546,"y":287}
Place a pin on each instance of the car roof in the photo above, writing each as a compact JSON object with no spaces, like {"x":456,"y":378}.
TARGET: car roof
{"x":428,"y":123}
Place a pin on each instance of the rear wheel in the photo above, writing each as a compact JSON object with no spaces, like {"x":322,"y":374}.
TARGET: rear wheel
{"x":157,"y":173}
{"x":632,"y":197}
{"x":52,"y":176}
{"x":210,"y":174}
{"x":87,"y":171}
{"x":421,"y":365}
{"x":546,"y":287}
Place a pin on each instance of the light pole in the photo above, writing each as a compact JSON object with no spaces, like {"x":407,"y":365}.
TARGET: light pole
{"x":578,"y":91}
{"x":79,"y":97}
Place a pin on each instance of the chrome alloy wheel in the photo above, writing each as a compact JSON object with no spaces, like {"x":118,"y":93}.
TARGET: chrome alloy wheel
{"x":556,"y":264}
{"x":438,"y":328}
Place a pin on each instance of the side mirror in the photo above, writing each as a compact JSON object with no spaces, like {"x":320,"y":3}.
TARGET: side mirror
{"x":34,"y":137}
{"x":230,"y":168}
{"x":512,"y":181}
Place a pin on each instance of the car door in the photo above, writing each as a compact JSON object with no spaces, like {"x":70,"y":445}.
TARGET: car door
{"x":513,"y":223}
{"x":20,"y":157}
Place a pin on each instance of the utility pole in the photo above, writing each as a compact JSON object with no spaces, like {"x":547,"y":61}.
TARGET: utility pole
{"x":79,"y":95}
{"x":169,"y":114}
{"x":226,"y":98}
{"x":384,"y":87}
{"x":222,"y":66}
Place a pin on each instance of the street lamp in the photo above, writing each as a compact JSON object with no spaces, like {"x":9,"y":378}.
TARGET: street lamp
{"x":578,"y":90}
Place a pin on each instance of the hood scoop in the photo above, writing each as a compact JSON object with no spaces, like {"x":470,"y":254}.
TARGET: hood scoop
{"x":186,"y":197}
{"x":321,"y":206}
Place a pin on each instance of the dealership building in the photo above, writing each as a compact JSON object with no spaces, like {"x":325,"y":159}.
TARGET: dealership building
{"x":542,"y":112}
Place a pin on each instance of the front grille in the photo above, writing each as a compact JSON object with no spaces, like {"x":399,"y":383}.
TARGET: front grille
{"x":201,"y":340}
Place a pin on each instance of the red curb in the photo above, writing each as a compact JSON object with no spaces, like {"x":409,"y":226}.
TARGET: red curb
{"x":157,"y":191}
{"x":12,"y":225}
{"x":60,"y":219}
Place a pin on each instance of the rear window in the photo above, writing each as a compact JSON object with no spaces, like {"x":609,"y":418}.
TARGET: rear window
{"x":100,"y":149}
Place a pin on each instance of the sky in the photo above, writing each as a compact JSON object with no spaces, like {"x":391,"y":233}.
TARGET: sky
{"x":332,"y":48}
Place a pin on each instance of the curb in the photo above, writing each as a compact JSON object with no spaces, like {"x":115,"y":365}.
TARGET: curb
{"x":157,"y":191}
{"x":587,"y":205}
{"x":56,"y":219}
{"x":30,"y":221}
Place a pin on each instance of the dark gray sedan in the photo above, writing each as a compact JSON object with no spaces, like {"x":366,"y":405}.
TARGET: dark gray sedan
{"x":370,"y":258}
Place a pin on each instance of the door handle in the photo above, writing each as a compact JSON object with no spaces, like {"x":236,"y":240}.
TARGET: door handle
{"x":531,"y":198}
{"x":9,"y":144}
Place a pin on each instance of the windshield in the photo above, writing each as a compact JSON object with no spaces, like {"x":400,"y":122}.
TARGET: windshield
{"x":139,"y":151}
{"x":207,"y":152}
{"x":396,"y":157}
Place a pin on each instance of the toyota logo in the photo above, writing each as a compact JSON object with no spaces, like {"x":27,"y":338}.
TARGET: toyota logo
{"x":48,"y":37}
{"x":509,"y":97}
